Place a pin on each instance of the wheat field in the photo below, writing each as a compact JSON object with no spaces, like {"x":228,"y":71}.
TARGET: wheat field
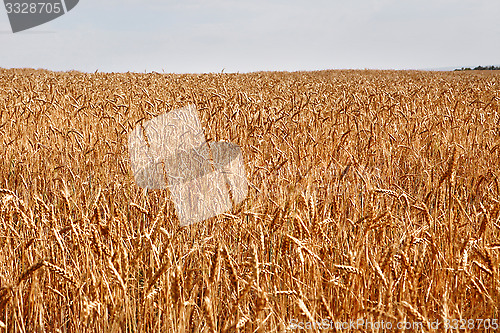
{"x":373,"y":195}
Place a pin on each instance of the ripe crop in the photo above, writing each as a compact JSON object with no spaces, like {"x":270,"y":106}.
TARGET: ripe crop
{"x":372,"y":194}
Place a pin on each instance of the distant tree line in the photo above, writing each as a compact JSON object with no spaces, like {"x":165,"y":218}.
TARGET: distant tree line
{"x":480,"y":68}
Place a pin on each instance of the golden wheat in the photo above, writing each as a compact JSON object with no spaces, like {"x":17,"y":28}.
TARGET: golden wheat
{"x":373,"y":195}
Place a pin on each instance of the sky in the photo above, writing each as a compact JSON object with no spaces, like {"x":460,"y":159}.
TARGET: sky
{"x":203,"y":36}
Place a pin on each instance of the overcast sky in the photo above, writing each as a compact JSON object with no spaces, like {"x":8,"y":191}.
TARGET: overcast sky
{"x":196,"y":36}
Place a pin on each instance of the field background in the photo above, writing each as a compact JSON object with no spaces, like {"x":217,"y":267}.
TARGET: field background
{"x":373,"y":195}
